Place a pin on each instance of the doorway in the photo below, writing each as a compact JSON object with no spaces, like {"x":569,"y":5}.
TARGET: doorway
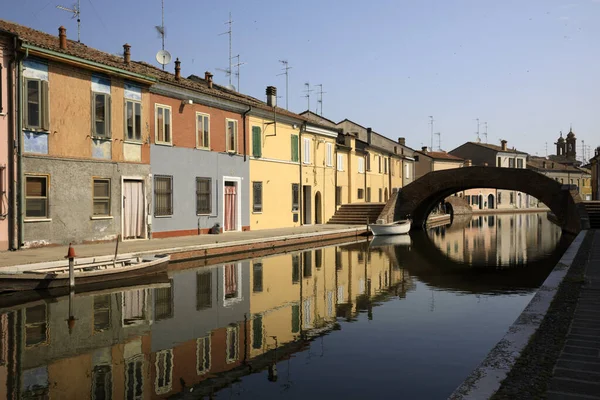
{"x":307,"y":205}
{"x":318,"y":211}
{"x":134,"y":216}
{"x":480,"y":202}
{"x":490,"y":201}
{"x":230,"y":206}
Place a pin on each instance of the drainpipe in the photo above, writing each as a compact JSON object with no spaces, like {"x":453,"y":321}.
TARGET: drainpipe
{"x":301,"y":187}
{"x":389,"y":171}
{"x":365,"y":193}
{"x":244,"y":114}
{"x":335,"y":175}
{"x":21,"y":175}
{"x":12,"y":218}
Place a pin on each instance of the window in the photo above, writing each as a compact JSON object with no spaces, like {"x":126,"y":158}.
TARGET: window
{"x":101,"y":197}
{"x":36,"y":325}
{"x":499,"y":162}
{"x":134,"y":378}
{"x":295,"y":268}
{"x":307,"y":264}
{"x":102,"y":320}
{"x":329,"y":154}
{"x":519,"y":163}
{"x":340,"y":162}
{"x":385,"y":165}
{"x":338,"y":196}
{"x":232,"y":131}
{"x":369,"y":194}
{"x":295,"y":196}
{"x":203,"y":196}
{"x":318,"y":258}
{"x":257,"y":277}
{"x":295,"y":157}
{"x":512,"y":198}
{"x":361,"y":165}
{"x":256,"y":141}
{"x":380,"y":195}
{"x":306,"y":151}
{"x":407,"y":171}
{"x":511,"y":163}
{"x":295,"y":318}
{"x":379,"y":159}
{"x":36,"y":104}
{"x":203,"y":290}
{"x":133,"y":120}
{"x":101,"y":114}
{"x":163,"y":124}
{"x":163,"y":303}
{"x":36,"y":197}
{"x":164,"y":371}
{"x":163,"y":195}
{"x":499,"y":198}
{"x":233,"y":333}
{"x":257,"y":205}
{"x":203,"y":347}
{"x":368,"y":158}
{"x":202,"y":131}
{"x":102,"y":382}
{"x":360,"y":194}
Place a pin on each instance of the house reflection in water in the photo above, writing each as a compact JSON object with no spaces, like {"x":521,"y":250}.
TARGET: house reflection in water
{"x":203,"y":330}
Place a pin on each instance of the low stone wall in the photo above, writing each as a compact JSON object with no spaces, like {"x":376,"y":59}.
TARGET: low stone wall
{"x":460,"y":206}
{"x":387,"y":214}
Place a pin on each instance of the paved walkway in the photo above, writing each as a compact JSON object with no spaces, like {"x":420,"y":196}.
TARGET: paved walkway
{"x":577,"y":370}
{"x":45,"y":254}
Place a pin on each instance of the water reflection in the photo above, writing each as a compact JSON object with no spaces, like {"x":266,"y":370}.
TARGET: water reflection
{"x":273,"y":326}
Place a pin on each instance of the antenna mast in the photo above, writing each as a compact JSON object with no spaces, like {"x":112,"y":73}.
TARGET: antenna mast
{"x":431,"y":120}
{"x":286,"y":68}
{"x":76,"y":11}
{"x":230,"y":69}
{"x":238,"y":64}
{"x":485,"y":133}
{"x":478,"y":138}
{"x":320,"y":93}
{"x":439,"y":135}
{"x":307,"y":95}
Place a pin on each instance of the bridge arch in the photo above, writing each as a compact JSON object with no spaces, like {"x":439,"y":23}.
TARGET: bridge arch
{"x":420,"y":197}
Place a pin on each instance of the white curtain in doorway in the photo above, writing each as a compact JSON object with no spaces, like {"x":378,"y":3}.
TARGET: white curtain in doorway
{"x":133,"y":210}
{"x":230,"y":208}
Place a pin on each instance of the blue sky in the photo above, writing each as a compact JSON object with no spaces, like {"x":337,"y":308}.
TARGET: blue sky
{"x":527,"y":67}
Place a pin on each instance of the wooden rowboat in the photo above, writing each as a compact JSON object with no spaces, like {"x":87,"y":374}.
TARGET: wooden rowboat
{"x":400,"y":227}
{"x":42,"y":277}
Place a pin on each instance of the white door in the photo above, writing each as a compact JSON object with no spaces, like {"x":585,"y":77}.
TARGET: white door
{"x":133,"y":209}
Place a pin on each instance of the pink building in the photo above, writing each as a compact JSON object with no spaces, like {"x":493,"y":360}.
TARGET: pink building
{"x":6,"y":114}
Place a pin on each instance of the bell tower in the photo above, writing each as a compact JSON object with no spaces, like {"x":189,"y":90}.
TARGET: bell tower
{"x":560,"y":146}
{"x":571,"y":146}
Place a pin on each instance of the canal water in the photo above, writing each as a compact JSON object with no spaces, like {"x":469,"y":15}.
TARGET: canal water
{"x":408,"y":317}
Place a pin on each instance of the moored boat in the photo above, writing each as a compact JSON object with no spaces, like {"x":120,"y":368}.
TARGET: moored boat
{"x":89,"y":272}
{"x":400,"y":227}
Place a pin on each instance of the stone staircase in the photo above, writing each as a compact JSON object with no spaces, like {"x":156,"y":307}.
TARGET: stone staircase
{"x":357,"y":213}
{"x":593,"y":210}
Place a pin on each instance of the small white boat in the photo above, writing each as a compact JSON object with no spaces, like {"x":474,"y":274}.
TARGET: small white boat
{"x":400,"y":227}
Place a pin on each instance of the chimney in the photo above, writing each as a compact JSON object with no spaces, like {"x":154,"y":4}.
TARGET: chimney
{"x":369,"y":135}
{"x":271,"y":96}
{"x":468,"y":163}
{"x":402,"y":141}
{"x":503,"y":144}
{"x":62,"y":36}
{"x":126,"y":53}
{"x":177,"y":69}
{"x":208,"y":78}
{"x":424,"y":149}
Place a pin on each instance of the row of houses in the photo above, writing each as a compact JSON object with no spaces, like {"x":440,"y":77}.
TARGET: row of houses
{"x":94,"y":146}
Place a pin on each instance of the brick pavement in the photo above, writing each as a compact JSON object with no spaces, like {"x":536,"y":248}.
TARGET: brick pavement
{"x":577,"y":370}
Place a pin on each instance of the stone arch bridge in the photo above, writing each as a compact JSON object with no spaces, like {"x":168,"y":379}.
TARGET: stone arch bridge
{"x":420,"y":197}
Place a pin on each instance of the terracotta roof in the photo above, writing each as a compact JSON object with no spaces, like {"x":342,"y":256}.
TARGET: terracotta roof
{"x":538,"y":163}
{"x":497,"y":148}
{"x":51,"y":42}
{"x":440,"y":155}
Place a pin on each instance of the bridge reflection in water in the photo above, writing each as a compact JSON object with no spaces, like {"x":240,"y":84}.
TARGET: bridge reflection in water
{"x":353,"y":320}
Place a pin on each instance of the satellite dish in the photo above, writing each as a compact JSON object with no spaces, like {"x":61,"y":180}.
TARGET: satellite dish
{"x":230,"y":87}
{"x":163,"y":57}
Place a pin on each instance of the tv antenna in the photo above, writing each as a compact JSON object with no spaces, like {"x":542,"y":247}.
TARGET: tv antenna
{"x":431,"y":120}
{"x":478,"y":138}
{"x":237,"y":65}
{"x":485,"y":133}
{"x":320,"y":93}
{"x":163,"y":57}
{"x":546,"y":149}
{"x":439,"y":135}
{"x":307,"y":95}
{"x":286,"y":68}
{"x":76,"y":11}
{"x":229,"y":70}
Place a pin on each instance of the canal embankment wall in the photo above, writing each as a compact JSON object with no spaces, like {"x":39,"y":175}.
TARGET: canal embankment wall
{"x":511,"y":211}
{"x":486,"y":379}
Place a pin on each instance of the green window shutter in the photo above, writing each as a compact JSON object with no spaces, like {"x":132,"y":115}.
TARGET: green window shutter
{"x":295,"y":318}
{"x":295,"y":148}
{"x":256,"y":144}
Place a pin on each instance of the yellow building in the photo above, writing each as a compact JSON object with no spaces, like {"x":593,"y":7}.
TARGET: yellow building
{"x":292,"y":170}
{"x":429,"y":161}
